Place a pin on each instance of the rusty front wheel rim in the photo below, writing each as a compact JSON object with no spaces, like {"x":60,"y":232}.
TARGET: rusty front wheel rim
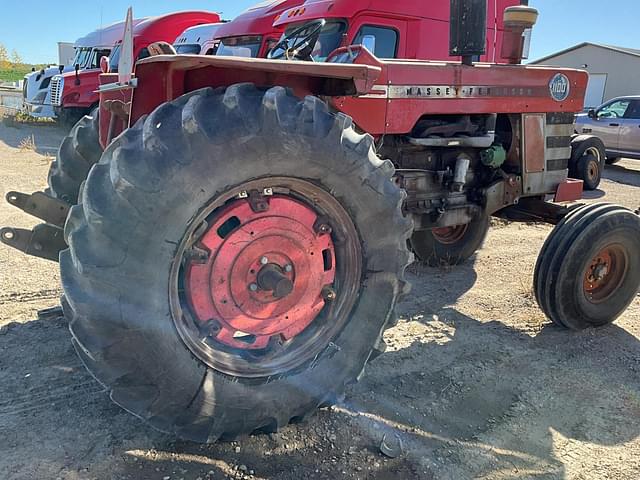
{"x":592,"y":170}
{"x":605,"y":273}
{"x":450,"y":235}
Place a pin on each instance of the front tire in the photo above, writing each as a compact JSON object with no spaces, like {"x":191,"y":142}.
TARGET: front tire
{"x":159,"y":206}
{"x":588,"y":271}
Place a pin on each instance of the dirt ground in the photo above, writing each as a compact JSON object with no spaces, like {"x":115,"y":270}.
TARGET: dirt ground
{"x":476,"y":382}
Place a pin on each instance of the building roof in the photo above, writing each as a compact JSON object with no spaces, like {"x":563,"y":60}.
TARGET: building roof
{"x":627,"y":51}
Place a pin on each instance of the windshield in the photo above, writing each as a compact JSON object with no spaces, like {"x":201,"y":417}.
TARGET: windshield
{"x":83,"y":55}
{"x":114,"y":59}
{"x":330,"y":38}
{"x":89,"y":57}
{"x":248,"y":46}
{"x":186,"y":49}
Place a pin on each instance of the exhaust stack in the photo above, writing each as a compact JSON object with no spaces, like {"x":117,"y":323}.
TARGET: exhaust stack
{"x":468,"y":29}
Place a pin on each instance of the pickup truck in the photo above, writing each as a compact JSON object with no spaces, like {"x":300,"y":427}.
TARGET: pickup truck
{"x":617,"y":124}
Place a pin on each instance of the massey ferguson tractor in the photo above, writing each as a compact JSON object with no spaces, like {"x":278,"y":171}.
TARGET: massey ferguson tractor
{"x":240,"y":246}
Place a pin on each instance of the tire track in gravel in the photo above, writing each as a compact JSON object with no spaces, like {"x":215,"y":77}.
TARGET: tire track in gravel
{"x":49,"y":395}
{"x":20,"y":297}
{"x":30,"y":296}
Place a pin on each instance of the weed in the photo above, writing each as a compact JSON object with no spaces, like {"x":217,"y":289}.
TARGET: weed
{"x":28,"y":143}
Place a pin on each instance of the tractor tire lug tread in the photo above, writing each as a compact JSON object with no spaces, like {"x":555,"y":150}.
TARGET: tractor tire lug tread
{"x":124,"y":334}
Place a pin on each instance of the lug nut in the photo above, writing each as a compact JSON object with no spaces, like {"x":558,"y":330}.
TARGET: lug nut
{"x":264,"y":260}
{"x":288,"y":268}
{"x":324,"y":228}
{"x":253,"y":287}
{"x":329,"y":294}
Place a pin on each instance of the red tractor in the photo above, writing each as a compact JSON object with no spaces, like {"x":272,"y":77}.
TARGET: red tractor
{"x":238,"y":250}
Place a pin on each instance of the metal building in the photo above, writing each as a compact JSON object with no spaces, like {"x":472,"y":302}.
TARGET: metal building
{"x":613,"y":71}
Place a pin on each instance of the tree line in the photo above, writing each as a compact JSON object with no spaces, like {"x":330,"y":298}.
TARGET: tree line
{"x":9,"y":60}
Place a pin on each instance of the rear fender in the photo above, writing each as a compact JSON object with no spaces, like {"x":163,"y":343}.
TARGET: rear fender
{"x":165,"y":77}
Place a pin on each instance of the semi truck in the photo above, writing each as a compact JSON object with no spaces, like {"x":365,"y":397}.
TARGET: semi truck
{"x":73,"y":94}
{"x":198,"y":40}
{"x":399,"y":29}
{"x":252,"y":33}
{"x":88,"y":51}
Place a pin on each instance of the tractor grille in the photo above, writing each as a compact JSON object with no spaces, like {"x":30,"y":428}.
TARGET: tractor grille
{"x":57,"y":84}
{"x":558,"y":131}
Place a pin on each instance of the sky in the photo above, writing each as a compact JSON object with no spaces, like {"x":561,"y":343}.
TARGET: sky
{"x":33,"y":27}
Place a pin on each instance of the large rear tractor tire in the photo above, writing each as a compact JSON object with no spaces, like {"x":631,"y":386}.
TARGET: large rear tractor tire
{"x":588,"y":271}
{"x":234,"y":261}
{"x":450,"y":245}
{"x":79,"y":151}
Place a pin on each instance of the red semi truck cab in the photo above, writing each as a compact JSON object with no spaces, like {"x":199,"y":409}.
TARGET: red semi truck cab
{"x":76,"y":92}
{"x":252,"y":33}
{"x":402,"y":28}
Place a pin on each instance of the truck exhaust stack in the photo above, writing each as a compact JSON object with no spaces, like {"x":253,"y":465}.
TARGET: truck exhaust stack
{"x":468,"y":29}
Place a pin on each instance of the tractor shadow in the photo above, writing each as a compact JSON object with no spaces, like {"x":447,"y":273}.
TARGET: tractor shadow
{"x":593,"y":194}
{"x":465,"y":398}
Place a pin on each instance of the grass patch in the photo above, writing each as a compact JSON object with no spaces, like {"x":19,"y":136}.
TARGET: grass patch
{"x":14,"y":119}
{"x":13,"y":73}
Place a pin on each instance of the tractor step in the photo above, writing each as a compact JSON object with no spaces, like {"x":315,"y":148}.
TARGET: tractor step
{"x":52,"y":210}
{"x":44,"y":241}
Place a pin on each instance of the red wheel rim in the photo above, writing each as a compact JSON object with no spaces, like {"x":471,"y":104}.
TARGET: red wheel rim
{"x":262,"y":284}
{"x":450,"y":235}
{"x":605,"y":273}
{"x":230,"y":287}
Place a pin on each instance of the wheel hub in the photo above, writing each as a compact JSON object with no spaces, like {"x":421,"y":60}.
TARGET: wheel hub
{"x":605,"y":273}
{"x":450,"y":235}
{"x":263,"y":273}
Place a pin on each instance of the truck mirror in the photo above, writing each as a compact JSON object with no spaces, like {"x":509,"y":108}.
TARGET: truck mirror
{"x":369,"y":42}
{"x":77,"y":82}
{"x":104,"y":64}
{"x":591,"y":113}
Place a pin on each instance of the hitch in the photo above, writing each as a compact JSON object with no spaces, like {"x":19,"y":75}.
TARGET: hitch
{"x":44,"y":241}
{"x":42,"y":206}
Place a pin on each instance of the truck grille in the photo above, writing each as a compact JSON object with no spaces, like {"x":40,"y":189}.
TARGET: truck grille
{"x":56,"y":86}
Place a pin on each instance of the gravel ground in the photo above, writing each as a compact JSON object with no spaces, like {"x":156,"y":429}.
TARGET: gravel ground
{"x":475,"y":384}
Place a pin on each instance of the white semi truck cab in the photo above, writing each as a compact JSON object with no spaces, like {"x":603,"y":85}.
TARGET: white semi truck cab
{"x":198,"y":40}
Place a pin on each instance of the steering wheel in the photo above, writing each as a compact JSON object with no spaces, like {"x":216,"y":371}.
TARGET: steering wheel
{"x":304,"y":39}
